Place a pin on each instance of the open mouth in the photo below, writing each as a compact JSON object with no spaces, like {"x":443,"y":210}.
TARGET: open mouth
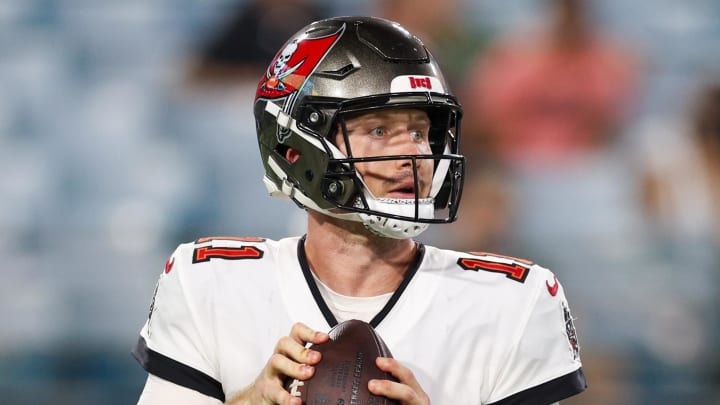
{"x":403,"y":190}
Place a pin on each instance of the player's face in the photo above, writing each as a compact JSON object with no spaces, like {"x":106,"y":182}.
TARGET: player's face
{"x":391,"y":132}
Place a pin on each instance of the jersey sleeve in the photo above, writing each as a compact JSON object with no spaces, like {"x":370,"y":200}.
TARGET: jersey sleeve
{"x":161,"y":392}
{"x":543,"y":364}
{"x":174,"y":343}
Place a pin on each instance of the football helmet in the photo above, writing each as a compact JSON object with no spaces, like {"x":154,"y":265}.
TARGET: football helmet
{"x":338,"y":68}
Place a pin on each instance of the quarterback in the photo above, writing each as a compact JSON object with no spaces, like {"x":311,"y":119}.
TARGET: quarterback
{"x":356,"y":125}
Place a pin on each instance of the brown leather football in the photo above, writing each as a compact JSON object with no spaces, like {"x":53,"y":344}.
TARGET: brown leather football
{"x":347,"y":365}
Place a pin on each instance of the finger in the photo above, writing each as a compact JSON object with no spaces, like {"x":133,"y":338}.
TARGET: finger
{"x":291,"y":349}
{"x":402,"y":373}
{"x":302,"y":334}
{"x":407,"y":390}
{"x":268,"y":388}
{"x":279,"y":396}
{"x":393,"y":390}
{"x":284,"y":398}
{"x":280,"y":365}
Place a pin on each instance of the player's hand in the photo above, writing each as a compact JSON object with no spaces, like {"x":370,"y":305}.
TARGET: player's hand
{"x":290,"y":359}
{"x":407,"y":390}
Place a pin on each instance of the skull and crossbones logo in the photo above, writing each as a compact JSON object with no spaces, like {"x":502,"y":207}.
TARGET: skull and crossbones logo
{"x":281,"y":69}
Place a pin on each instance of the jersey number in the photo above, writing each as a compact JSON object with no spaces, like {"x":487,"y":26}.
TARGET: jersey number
{"x":514,"y":271}
{"x":205,"y":253}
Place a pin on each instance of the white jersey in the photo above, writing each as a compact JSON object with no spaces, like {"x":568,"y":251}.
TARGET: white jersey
{"x":474,"y":328}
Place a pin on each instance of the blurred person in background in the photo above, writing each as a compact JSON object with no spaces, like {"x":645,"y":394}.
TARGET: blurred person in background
{"x":240,"y":49}
{"x":681,"y":187}
{"x":539,"y":99}
{"x":680,"y":193}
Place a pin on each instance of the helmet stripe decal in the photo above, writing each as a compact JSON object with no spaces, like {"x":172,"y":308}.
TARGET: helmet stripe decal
{"x":293,"y":64}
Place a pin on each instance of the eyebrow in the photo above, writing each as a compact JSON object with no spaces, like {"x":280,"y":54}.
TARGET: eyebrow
{"x":414,"y":116}
{"x":421,"y":118}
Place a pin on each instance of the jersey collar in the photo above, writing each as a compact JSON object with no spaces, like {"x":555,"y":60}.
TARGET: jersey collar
{"x":329,"y":316}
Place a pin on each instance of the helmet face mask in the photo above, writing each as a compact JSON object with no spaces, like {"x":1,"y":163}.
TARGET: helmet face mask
{"x":329,"y":73}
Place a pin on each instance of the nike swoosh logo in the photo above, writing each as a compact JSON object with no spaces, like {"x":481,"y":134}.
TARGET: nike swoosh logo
{"x":553,"y":289}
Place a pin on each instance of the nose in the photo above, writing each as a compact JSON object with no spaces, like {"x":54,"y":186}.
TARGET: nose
{"x":406,"y":144}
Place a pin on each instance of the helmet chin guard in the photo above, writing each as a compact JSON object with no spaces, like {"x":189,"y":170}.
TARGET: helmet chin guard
{"x":397,"y":228}
{"x":344,"y":67}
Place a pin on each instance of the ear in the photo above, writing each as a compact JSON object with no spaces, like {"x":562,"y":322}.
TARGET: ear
{"x":292,"y":155}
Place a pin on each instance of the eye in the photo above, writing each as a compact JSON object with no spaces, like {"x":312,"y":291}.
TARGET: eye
{"x":377,"y":131}
{"x":418,"y":135}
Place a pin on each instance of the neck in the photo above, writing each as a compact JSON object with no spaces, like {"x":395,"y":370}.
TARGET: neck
{"x":353,"y":261}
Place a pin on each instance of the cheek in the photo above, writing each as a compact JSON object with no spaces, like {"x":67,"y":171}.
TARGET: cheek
{"x":427,"y":167}
{"x":367,"y":148}
{"x":358,"y":146}
{"x":339,"y":142}
{"x":370,"y":170}
{"x":425,"y":173}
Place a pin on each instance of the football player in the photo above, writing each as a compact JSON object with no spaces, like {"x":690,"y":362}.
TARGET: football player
{"x":356,"y":126}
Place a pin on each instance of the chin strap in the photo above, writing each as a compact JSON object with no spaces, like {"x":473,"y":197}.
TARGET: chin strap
{"x":392,"y":227}
{"x":398,"y":228}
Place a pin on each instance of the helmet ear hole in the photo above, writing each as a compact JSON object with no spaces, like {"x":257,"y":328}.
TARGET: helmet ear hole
{"x":292,"y":155}
{"x":282,"y":150}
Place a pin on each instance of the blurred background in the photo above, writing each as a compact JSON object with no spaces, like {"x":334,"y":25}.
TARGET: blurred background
{"x":592,"y":131}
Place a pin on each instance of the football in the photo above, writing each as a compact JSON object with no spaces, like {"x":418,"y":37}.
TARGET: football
{"x":347,"y":365}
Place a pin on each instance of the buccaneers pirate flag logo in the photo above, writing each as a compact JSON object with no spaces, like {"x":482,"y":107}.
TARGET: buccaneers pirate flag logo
{"x":295,"y":62}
